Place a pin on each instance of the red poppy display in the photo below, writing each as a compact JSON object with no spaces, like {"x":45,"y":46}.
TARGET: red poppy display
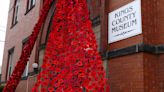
{"x":71,"y":62}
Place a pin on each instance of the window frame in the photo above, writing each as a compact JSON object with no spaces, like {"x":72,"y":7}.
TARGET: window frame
{"x":30,"y":5}
{"x":15,"y":13}
{"x":42,"y":48}
{"x":9,"y":62}
{"x":27,"y":66}
{"x":25,"y":73}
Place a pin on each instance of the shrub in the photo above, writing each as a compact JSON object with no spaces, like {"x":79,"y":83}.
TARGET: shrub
{"x":1,"y":88}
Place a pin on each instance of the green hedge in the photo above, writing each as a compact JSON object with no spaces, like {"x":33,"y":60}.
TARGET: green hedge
{"x":1,"y":88}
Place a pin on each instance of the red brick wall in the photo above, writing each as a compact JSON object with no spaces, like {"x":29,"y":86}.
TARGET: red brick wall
{"x":15,"y":35}
{"x":160,"y":20}
{"x":94,"y":7}
{"x":160,"y":41}
{"x":149,"y":21}
{"x":150,"y":64}
{"x":161,"y":73}
{"x":22,"y":86}
{"x":126,"y":73}
{"x":123,"y":70}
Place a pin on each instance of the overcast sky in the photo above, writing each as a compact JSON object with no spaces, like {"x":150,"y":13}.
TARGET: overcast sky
{"x":4,"y":5}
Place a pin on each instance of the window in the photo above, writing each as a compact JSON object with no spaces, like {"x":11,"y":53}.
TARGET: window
{"x":30,"y":5}
{"x":43,"y":46}
{"x":15,"y":13}
{"x":25,"y":73}
{"x":94,"y":8}
{"x":41,"y":55}
{"x":49,"y":27}
{"x":10,"y":63}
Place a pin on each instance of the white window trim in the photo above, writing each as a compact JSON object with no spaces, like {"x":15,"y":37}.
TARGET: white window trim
{"x":26,"y":70}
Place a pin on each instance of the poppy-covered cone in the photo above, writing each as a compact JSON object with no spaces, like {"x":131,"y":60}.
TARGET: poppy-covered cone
{"x":71,"y":62}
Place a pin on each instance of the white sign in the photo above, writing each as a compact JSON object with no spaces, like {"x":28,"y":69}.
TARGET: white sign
{"x":125,"y":22}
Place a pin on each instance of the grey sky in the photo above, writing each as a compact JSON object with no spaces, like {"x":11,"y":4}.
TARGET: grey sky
{"x":4,"y":5}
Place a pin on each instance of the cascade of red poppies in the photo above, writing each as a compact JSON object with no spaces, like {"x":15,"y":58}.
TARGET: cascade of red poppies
{"x":21,"y":64}
{"x":71,"y":62}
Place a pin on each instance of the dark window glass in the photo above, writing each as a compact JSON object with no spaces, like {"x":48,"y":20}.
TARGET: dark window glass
{"x":25,"y":73}
{"x":15,"y":13}
{"x":10,"y":63}
{"x":30,"y":5}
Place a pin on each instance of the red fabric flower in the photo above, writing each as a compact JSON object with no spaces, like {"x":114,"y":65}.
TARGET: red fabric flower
{"x":71,"y":61}
{"x":71,"y":56}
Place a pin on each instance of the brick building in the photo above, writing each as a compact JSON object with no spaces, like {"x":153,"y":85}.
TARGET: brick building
{"x":132,"y":65}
